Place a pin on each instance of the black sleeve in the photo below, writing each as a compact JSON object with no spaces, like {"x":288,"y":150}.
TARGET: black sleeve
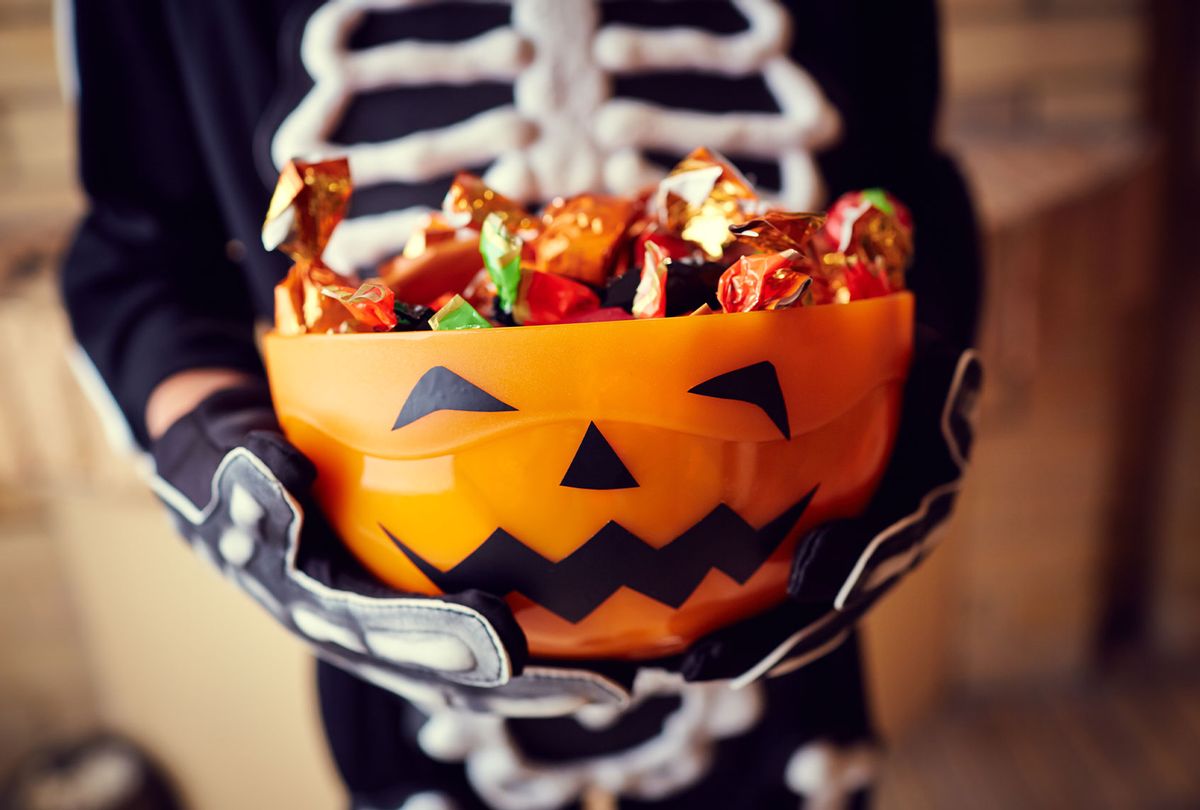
{"x":883,"y":74}
{"x":147,"y":283}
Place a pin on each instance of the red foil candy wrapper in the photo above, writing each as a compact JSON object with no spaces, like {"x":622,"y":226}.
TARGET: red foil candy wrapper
{"x":840,"y":279}
{"x":763,"y":281}
{"x":581,"y":236}
{"x":545,"y":298}
{"x":876,"y":229}
{"x":469,"y":201}
{"x":373,"y":304}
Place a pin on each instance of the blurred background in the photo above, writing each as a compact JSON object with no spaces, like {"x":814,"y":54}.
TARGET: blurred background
{"x":1047,"y":656}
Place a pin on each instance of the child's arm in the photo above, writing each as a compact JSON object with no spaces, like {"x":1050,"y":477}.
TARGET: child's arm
{"x":147,"y":283}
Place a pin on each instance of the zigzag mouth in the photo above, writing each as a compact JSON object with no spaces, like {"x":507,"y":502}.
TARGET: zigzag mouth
{"x":615,"y":557}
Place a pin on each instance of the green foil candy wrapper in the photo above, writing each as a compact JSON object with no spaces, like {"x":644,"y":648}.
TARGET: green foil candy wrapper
{"x":502,"y":257}
{"x":457,"y":314}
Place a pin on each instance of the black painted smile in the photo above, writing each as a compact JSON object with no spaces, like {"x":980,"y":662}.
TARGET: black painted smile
{"x":613,"y":558}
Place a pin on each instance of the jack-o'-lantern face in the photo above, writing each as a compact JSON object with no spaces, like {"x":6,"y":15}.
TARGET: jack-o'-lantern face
{"x":627,"y":486}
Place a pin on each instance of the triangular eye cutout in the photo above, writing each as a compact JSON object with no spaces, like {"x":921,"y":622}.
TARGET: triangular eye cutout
{"x":440,"y":389}
{"x":758,"y":385}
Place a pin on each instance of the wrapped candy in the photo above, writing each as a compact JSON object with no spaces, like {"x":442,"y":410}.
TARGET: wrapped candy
{"x":373,"y":304}
{"x":445,"y":266}
{"x":650,"y":300}
{"x":702,"y":197}
{"x":843,"y":278}
{"x":581,"y":236}
{"x":774,"y":231}
{"x":875,"y":227}
{"x":469,"y":201}
{"x":310,"y":199}
{"x":545,"y":298}
{"x":501,"y":253}
{"x":457,"y":314}
{"x":763,"y":281}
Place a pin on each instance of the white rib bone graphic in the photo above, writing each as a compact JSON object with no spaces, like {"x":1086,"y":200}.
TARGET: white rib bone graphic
{"x":565,"y":132}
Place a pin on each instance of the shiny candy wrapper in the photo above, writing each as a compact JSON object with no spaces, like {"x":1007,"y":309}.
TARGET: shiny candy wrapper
{"x":763,"y":281}
{"x":310,"y":200}
{"x":457,"y":314}
{"x":501,"y":253}
{"x":469,"y":201}
{"x":545,"y":298}
{"x":301,"y":306}
{"x":874,"y":227}
{"x":650,"y":300}
{"x":840,"y":279}
{"x":702,"y":197}
{"x":373,"y":304}
{"x":775,"y":231}
{"x":581,"y":236}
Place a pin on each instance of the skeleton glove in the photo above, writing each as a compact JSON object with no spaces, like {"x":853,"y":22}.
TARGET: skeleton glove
{"x":239,"y":492}
{"x":840,"y":569}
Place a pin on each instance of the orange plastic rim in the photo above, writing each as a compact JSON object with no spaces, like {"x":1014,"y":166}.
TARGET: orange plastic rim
{"x":444,"y":483}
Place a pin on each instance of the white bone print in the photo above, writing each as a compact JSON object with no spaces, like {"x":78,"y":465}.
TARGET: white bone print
{"x":565,"y":132}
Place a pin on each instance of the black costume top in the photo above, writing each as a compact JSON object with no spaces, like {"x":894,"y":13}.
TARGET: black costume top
{"x":178,"y":103}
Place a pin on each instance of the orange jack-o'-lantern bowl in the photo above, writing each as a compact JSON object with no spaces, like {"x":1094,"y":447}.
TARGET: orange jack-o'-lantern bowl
{"x":627,"y":486}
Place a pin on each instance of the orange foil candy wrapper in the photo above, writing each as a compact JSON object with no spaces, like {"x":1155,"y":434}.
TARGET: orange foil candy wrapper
{"x":775,"y":231}
{"x":469,"y":201}
{"x":700,"y":242}
{"x":310,"y":200}
{"x":373,"y":304}
{"x":580,"y":237}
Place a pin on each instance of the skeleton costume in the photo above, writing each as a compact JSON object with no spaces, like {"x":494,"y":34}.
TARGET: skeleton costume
{"x":186,"y":112}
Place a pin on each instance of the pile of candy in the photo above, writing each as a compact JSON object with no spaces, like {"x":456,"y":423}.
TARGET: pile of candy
{"x":699,"y":242}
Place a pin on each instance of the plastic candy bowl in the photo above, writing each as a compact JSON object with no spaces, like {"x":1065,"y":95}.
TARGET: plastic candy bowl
{"x":627,"y":486}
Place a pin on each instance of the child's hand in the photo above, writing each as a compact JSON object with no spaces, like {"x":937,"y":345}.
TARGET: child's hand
{"x":239,"y":493}
{"x":841,"y":569}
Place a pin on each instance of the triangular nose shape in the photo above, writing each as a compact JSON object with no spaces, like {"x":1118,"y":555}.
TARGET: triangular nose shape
{"x":596,"y":465}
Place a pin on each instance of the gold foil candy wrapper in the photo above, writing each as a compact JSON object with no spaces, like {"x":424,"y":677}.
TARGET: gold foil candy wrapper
{"x":310,"y":200}
{"x":702,"y":197}
{"x":581,"y":237}
{"x":469,"y":201}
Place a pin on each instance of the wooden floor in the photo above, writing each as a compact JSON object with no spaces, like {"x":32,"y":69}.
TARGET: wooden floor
{"x":1131,"y":740}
